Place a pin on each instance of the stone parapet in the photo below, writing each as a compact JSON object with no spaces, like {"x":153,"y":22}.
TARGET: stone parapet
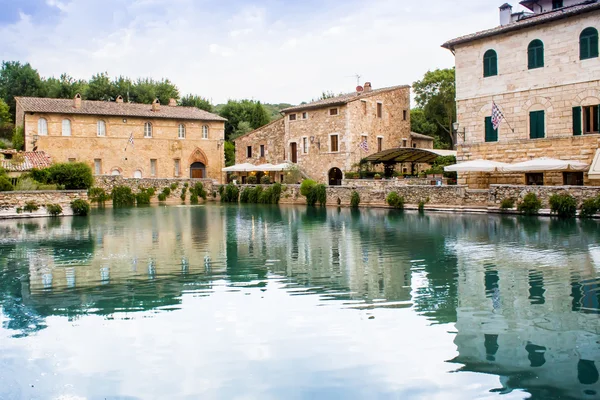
{"x":497,"y":193}
{"x":11,"y":201}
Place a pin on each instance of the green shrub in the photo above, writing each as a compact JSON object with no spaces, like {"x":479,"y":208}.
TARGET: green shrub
{"x":80,"y":207}
{"x":507,"y":204}
{"x":306,"y":186}
{"x":54,"y":209}
{"x":193,"y":198}
{"x":394,"y":200}
{"x":18,"y":138}
{"x":251,"y":180}
{"x":5,"y":184}
{"x":151,"y":191}
{"x":73,"y":176}
{"x":245,"y":195}
{"x":199,"y":190}
{"x":174,"y":186}
{"x":590,"y":207}
{"x":185,"y":185}
{"x":265,"y":197}
{"x":564,"y":205}
{"x":183,"y":193}
{"x":162,"y":196}
{"x":321,"y":194}
{"x":422,"y":206}
{"x":40,"y":175}
{"x":214,"y":194}
{"x":31,"y":206}
{"x":276,"y":193}
{"x":221,"y":190}
{"x":354,"y":199}
{"x":167,"y":191}
{"x":530,"y":204}
{"x":230,"y":194}
{"x":265,"y":180}
{"x":142,"y":198}
{"x":254,"y":195}
{"x":98,"y":195}
{"x":122,"y":196}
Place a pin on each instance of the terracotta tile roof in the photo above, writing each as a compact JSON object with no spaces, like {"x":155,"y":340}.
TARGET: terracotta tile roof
{"x":527,"y":22}
{"x":31,"y":159}
{"x":108,"y":108}
{"x":420,"y":136}
{"x":342,"y":99}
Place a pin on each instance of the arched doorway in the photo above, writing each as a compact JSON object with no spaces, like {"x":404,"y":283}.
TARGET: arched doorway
{"x":115,"y":172}
{"x":197,"y":170}
{"x":335,"y":177}
{"x":137,"y":174}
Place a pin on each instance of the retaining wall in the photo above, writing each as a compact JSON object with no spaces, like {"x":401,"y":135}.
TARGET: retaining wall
{"x":11,"y":201}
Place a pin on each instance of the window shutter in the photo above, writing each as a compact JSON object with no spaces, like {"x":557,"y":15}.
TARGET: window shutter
{"x":531,"y":58}
{"x":541,"y":127}
{"x":536,"y":125}
{"x":577,"y":131}
{"x":491,"y":134}
{"x":593,"y":46}
{"x":532,"y":125}
{"x":494,"y":66}
{"x":486,"y":67}
{"x":539,"y":57}
{"x":584,"y":48}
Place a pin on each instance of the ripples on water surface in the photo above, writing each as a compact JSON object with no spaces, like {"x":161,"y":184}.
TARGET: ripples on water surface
{"x":261,"y":303}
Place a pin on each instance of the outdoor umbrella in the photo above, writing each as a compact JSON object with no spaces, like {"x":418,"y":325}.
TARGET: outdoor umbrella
{"x":547,"y":164}
{"x":240,"y":168}
{"x":476,"y":166}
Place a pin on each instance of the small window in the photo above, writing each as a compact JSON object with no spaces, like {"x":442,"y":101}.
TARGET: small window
{"x":537,"y":125}
{"x":557,"y":4}
{"x":490,"y":63}
{"x":334,"y":143}
{"x":205,"y":132}
{"x":305,"y":115}
{"x":491,"y":134}
{"x":379,"y":144}
{"x":305,"y":145}
{"x":262,"y":150}
{"x":66,"y":127}
{"x":535,"y":54}
{"x":534,"y":179}
{"x":414,"y":145}
{"x":42,"y":127}
{"x":588,"y":44}
{"x":404,"y":115}
{"x":177,"y":167}
{"x":249,"y":151}
{"x":590,"y":119}
{"x":573,"y":178}
{"x":72,"y":160}
{"x":153,"y":166}
{"x":333,"y":111}
{"x":101,"y":128}
{"x":404,"y":142}
{"x":379,"y":110}
{"x":181,"y":131}
{"x":147,"y":130}
{"x":292,"y":117}
{"x":97,"y":166}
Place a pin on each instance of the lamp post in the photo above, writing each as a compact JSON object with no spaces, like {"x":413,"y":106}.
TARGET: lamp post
{"x":457,"y":132}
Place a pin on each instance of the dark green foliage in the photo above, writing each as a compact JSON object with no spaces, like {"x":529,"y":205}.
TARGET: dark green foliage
{"x":183,"y":194}
{"x":72,"y":176}
{"x":245,"y":195}
{"x":563,"y":205}
{"x":97,"y":195}
{"x":5,"y":184}
{"x":530,"y":204}
{"x":196,"y":101}
{"x":80,"y":207}
{"x":214,"y":194}
{"x":18,"y":138}
{"x":230,"y":194}
{"x":186,"y":185}
{"x":321,"y":194}
{"x":590,"y":207}
{"x":507,"y":204}
{"x":151,"y":191}
{"x":173,"y":186}
{"x":199,"y":190}
{"x":229,"y":154}
{"x":162,"y":197}
{"x":265,"y":180}
{"x":142,"y":198}
{"x":259,"y":195}
{"x":221,"y":190}
{"x":122,"y":196}
{"x":167,"y":191}
{"x":245,"y":112}
{"x":18,"y":79}
{"x":193,"y":198}
{"x":254,"y":195}
{"x":54,"y":209}
{"x":251,"y":180}
{"x":422,"y":206}
{"x":306,"y":186}
{"x":354,"y":199}
{"x":31,"y":206}
{"x":40,"y":175}
{"x":276,"y":193}
{"x":396,"y":201}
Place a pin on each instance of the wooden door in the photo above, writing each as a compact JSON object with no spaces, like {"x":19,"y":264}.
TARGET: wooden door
{"x":197,"y":173}
{"x":294,"y":153}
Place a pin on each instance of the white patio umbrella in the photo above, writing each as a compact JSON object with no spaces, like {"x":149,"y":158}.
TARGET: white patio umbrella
{"x":240,"y":168}
{"x":263,"y":167}
{"x":476,"y":166}
{"x":547,"y":164}
{"x":281,"y":167}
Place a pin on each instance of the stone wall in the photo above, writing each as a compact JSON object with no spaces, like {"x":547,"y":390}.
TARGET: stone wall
{"x":10,"y":201}
{"x":497,"y":193}
{"x":270,"y":136}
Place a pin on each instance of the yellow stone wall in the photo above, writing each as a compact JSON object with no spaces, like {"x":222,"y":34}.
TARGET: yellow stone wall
{"x":270,"y":136}
{"x":84,"y":145}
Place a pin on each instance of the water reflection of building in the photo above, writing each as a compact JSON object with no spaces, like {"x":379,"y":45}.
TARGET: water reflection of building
{"x":530,"y":316}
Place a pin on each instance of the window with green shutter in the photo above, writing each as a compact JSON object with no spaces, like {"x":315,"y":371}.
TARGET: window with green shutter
{"x":577,"y":131}
{"x":588,"y":44}
{"x":491,"y":134}
{"x":490,"y":63}
{"x":591,"y":119}
{"x":535,"y":54}
{"x":537,"y":124}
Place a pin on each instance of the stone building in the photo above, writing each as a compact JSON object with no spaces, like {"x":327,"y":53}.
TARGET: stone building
{"x":541,"y":68}
{"x":132,"y":140}
{"x":323,"y":137}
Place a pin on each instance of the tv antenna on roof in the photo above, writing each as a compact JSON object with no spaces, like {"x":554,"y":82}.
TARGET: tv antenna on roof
{"x":357,"y":76}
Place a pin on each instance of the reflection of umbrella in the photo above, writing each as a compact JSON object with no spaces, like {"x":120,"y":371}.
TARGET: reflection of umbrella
{"x":476,"y":166}
{"x":547,"y":164}
{"x":240,"y":168}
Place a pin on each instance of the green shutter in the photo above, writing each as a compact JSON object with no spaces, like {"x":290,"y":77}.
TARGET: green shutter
{"x":491,"y":134}
{"x":536,"y":125}
{"x":584,"y":48}
{"x":594,"y":46}
{"x":539,"y":57}
{"x":541,"y":125}
{"x":577,"y":131}
{"x":494,"y":66}
{"x":532,"y":125}
{"x":531,"y":58}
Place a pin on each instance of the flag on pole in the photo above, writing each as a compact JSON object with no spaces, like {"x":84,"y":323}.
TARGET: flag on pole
{"x":497,"y":115}
{"x":364,"y":145}
{"x":131,"y":139}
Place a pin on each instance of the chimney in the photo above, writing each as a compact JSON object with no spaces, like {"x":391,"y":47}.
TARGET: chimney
{"x":367,"y":87}
{"x":77,"y":101}
{"x":505,"y":14}
{"x":156,"y":105}
{"x":119,"y":99}
{"x":172,"y":103}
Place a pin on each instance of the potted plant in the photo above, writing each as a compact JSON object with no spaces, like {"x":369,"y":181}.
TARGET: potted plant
{"x":377,"y":177}
{"x":234,"y":179}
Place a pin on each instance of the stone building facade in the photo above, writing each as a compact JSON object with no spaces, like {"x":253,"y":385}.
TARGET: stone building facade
{"x":323,"y":138}
{"x":131,"y":140}
{"x":542,"y":70}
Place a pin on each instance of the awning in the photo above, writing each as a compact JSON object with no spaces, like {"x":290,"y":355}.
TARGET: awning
{"x":408,"y":155}
{"x":594,"y":172}
{"x":239,"y":168}
{"x":477,"y":166}
{"x":546,"y":164}
{"x":282,"y":167}
{"x":258,"y":168}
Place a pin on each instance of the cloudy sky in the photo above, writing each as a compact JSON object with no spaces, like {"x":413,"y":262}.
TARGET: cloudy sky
{"x":269,"y":50}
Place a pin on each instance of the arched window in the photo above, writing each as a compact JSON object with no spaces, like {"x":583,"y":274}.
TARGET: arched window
{"x":205,"y":132}
{"x":66,"y":127}
{"x":101,"y":128}
{"x":181,"y":131}
{"x":147,"y":130}
{"x":490,"y":63}
{"x":588,"y":44}
{"x":42,"y":127}
{"x":535,"y":54}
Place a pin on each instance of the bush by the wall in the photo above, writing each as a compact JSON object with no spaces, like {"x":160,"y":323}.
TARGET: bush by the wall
{"x":40,"y":175}
{"x":321,"y":194}
{"x":31,"y":206}
{"x":5,"y":184}
{"x":151,"y":191}
{"x":142,"y":198}
{"x":265,"y":180}
{"x":193,"y":198}
{"x":221,"y":190}
{"x":530,"y":204}
{"x":73,"y":176}
{"x":80,"y":207}
{"x":199,"y":190}
{"x":564,"y":205}
{"x":422,"y":206}
{"x":255,"y":194}
{"x":173,"y":186}
{"x":162,"y":196}
{"x":251,"y":180}
{"x":354,"y":199}
{"x":306,"y":186}
{"x":98,"y":195}
{"x":122,"y":196}
{"x":231,"y":193}
{"x":590,"y":207}
{"x":167,"y":191}
{"x":394,"y":200}
{"x":54,"y":209}
{"x":183,"y":194}
{"x":507,"y":204}
{"x":245,"y":195}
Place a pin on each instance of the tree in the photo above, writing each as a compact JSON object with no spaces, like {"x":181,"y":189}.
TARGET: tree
{"x":122,"y":86}
{"x":243,"y":128}
{"x":5,"y":117}
{"x":259,"y":116}
{"x":236,"y":111}
{"x":100,"y":88}
{"x":65,"y":87}
{"x":196,"y":101}
{"x":229,"y":154}
{"x":435,"y":94}
{"x":165,"y":91}
{"x":18,"y":80}
{"x":420,"y":124}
